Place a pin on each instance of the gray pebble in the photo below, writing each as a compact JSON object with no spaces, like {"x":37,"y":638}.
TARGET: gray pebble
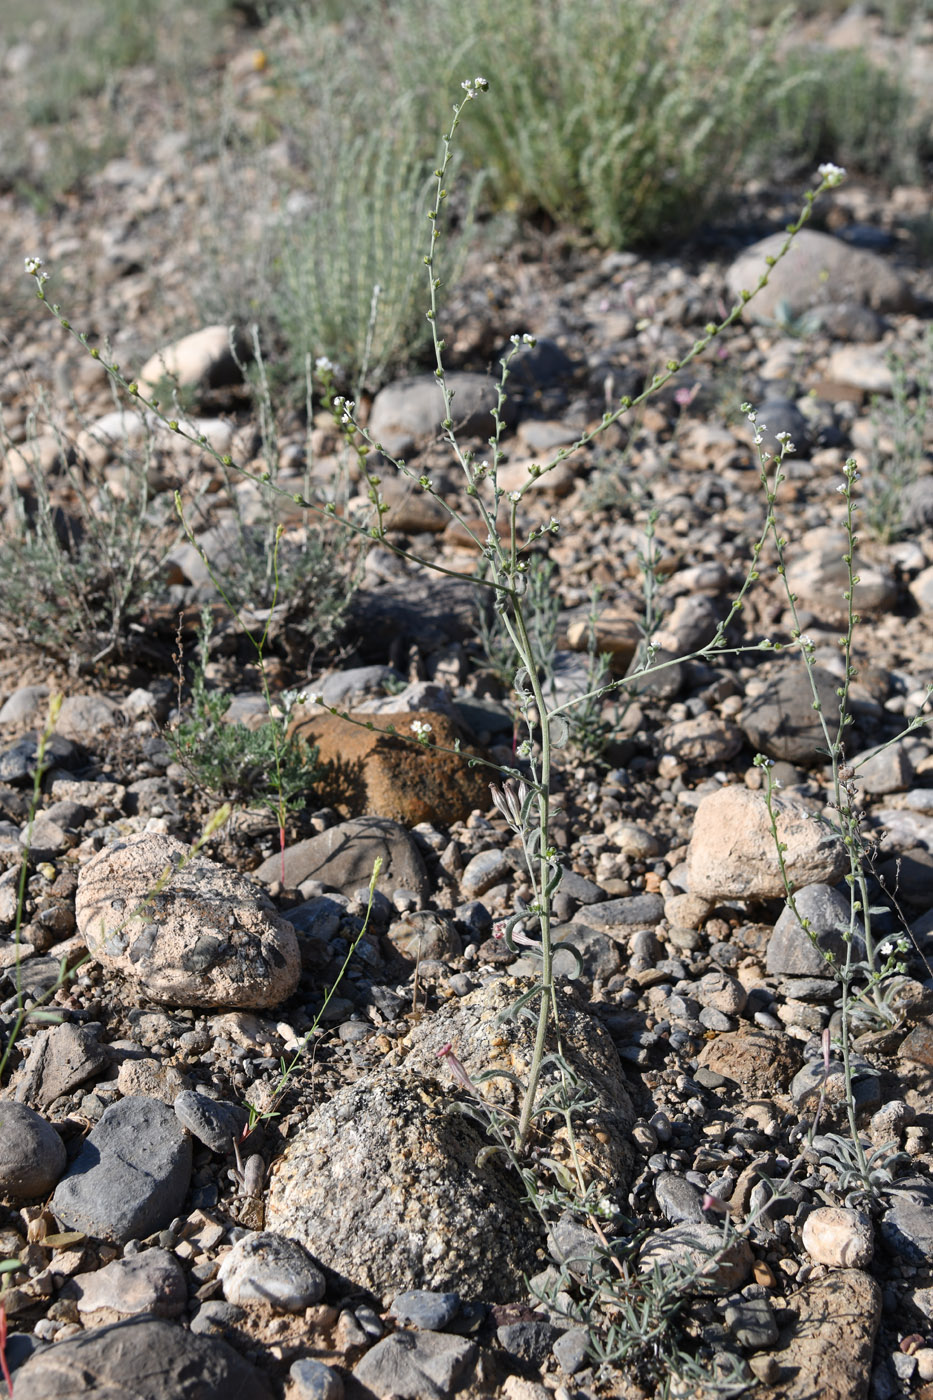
{"x":415,"y":1364}
{"x":529,"y":1341}
{"x":212,"y":1122}
{"x":32,"y":1155}
{"x":752,"y":1322}
{"x":907,"y":1227}
{"x":312,"y":1380}
{"x":570,"y":1350}
{"x":214,"y":1317}
{"x":428,"y":1311}
{"x":131,"y":1175}
{"x":267,"y":1268}
{"x":677,"y":1198}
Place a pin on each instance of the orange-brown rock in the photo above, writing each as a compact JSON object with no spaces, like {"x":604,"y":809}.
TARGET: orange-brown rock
{"x":370,"y":771}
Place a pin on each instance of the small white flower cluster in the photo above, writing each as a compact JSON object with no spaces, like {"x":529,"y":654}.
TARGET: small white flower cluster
{"x":752,"y":416}
{"x":515,"y":497}
{"x":34,"y":268}
{"x":421,"y":729}
{"x":525,"y":339}
{"x":345,"y":408}
{"x":324,"y":365}
{"x":832,"y":175}
{"x":474,"y":86}
{"x":784,"y":440}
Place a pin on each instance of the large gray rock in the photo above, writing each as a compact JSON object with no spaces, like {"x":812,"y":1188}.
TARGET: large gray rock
{"x":415,"y":1365}
{"x":732,"y":853}
{"x":818,"y":270}
{"x":151,"y":1282}
{"x":781,"y":722}
{"x":143,"y":1358}
{"x":342,"y":859}
{"x":32,"y":1155}
{"x":267,"y":1268}
{"x":381,"y":1185}
{"x":792,"y":952}
{"x":131,"y":1175}
{"x":209,"y":937}
{"x":409,"y":410}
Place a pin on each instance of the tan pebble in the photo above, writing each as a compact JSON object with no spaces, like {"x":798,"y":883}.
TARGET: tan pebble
{"x":839,"y":1238}
{"x":763,"y":1273}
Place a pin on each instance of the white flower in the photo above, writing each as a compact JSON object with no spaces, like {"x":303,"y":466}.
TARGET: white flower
{"x":515,"y":496}
{"x":421,"y":729}
{"x":313,"y":697}
{"x":34,"y":268}
{"x":323,"y":365}
{"x":804,"y":640}
{"x":832,"y":174}
{"x":524,"y":748}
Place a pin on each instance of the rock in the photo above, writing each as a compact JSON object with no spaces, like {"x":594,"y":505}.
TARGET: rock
{"x":752,"y":1322}
{"x":791,"y":952}
{"x":130,"y":1176}
{"x":84,"y":717}
{"x":27,"y":705}
{"x":619,"y":918}
{"x":820,"y":578}
{"x":425,"y":934}
{"x":703,"y":741}
{"x":151,"y":1282}
{"x":412,"y":409}
{"x":879,"y":772}
{"x":721,"y":992}
{"x":384,"y":1161}
{"x":415,"y":1366}
{"x":571,"y":1350}
{"x":699,"y":1248}
{"x":826,"y":1348}
{"x":312,"y":1380}
{"x":145,"y":1358}
{"x":530,"y":1341}
{"x":485,"y":869}
{"x":838,"y":1238}
{"x":340,"y":687}
{"x":342,"y":858}
{"x":818,"y":270}
{"x":202,"y":360}
{"x":907,"y":1226}
{"x":213,"y":1123}
{"x":762,"y":1062}
{"x":863,"y":366}
{"x":917,"y":1045}
{"x":473,"y":1025}
{"x":59,"y":1059}
{"x":678,"y":1199}
{"x":732,"y":851}
{"x":32,"y":1155}
{"x":368,"y":770}
{"x":209,"y":937}
{"x":267,"y":1268}
{"x":425,"y":1310}
{"x":781,"y":721}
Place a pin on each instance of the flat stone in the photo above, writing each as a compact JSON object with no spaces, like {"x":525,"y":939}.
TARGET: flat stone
{"x":84,"y":717}
{"x":415,"y":1365}
{"x":200,"y":360}
{"x":699,"y":1247}
{"x":145,"y":1358}
{"x":267,"y":1268}
{"x":32,"y":1155}
{"x":131,"y":1175}
{"x":151,"y":1282}
{"x":485,"y":869}
{"x":791,"y":951}
{"x":703,"y":741}
{"x":781,"y":721}
{"x":618,"y":917}
{"x":342,"y":858}
{"x":209,"y":937}
{"x":411,"y":409}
